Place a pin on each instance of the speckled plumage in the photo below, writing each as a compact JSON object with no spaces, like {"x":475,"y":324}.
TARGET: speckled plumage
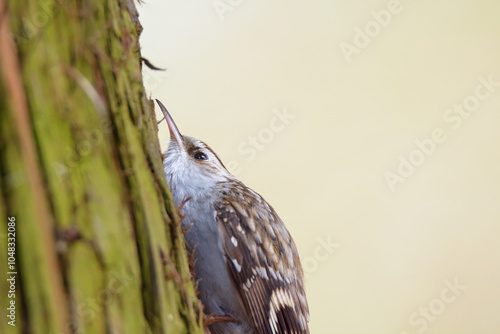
{"x":246,"y":262}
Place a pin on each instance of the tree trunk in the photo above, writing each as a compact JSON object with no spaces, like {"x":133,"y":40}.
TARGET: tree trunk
{"x":98,"y":243}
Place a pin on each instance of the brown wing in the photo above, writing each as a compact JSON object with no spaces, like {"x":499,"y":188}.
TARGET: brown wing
{"x":263,"y":263}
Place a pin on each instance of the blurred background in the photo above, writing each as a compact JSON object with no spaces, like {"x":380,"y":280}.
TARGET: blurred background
{"x":372,"y":127}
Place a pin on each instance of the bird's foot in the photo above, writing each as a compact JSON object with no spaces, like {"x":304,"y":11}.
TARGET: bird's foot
{"x":210,"y":319}
{"x":182,"y":206}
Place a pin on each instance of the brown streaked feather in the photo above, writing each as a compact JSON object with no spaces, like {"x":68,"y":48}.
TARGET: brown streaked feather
{"x":260,"y":261}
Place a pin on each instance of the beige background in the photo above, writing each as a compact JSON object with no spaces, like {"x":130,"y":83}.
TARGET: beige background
{"x":393,"y":254}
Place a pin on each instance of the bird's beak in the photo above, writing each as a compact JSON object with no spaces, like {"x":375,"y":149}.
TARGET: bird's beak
{"x":174,"y":131}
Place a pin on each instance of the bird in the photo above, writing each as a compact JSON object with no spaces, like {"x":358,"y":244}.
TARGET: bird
{"x":246,"y":264}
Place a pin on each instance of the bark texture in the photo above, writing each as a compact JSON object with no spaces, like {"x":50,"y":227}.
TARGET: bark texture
{"x":99,"y":246}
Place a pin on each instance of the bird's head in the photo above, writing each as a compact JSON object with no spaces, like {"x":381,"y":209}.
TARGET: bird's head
{"x":190,"y":163}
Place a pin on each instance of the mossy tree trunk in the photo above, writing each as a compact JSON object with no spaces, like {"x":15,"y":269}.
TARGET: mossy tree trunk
{"x":99,"y":247}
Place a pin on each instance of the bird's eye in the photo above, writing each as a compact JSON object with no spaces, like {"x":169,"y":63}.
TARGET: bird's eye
{"x":200,"y":156}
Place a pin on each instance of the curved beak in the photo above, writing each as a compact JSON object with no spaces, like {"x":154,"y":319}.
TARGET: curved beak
{"x":174,"y":131}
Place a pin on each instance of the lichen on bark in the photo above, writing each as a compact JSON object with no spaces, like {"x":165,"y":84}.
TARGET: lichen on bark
{"x":99,"y":243}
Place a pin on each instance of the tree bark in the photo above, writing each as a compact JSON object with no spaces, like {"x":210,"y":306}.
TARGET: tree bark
{"x":99,"y":247}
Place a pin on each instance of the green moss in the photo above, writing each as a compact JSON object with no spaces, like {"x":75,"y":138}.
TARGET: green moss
{"x":102,"y":175}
